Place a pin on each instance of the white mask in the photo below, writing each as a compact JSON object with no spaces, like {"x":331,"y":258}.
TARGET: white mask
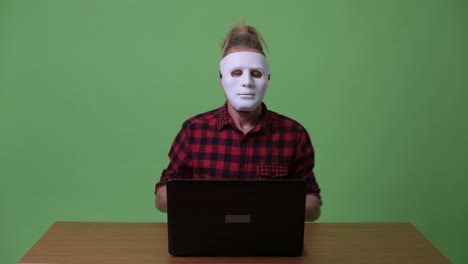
{"x":245,"y":76}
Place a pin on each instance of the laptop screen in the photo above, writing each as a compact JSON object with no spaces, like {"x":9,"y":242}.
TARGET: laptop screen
{"x":235,"y":217}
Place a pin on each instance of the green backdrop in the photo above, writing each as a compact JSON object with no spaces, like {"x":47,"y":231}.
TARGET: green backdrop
{"x":92,"y":94}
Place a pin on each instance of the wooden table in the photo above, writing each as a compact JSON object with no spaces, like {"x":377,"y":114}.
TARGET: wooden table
{"x":133,"y":243}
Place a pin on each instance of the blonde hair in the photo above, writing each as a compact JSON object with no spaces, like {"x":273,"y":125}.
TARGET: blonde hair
{"x":243,"y":36}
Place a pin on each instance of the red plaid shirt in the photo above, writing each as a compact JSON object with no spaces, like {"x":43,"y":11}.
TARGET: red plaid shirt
{"x":209,"y":146}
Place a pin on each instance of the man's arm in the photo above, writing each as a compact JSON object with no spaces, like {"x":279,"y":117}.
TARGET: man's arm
{"x":312,"y":209}
{"x":179,"y":160}
{"x":160,"y":200}
{"x":302,"y":167}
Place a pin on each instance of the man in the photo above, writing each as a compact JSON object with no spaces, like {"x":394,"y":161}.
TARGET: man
{"x":243,"y":139}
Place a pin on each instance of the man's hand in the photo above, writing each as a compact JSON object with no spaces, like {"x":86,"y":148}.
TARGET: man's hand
{"x":160,"y":200}
{"x":312,"y":209}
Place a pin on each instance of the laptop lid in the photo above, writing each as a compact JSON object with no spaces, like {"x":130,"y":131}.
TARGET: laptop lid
{"x":235,"y":218}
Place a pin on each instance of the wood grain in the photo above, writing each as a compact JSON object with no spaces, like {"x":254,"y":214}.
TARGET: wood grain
{"x":133,"y":243}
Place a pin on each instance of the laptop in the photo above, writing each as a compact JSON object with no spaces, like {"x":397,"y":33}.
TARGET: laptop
{"x":236,"y":217}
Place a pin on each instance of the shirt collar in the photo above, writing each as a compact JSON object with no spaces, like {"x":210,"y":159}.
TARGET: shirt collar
{"x":224,"y":119}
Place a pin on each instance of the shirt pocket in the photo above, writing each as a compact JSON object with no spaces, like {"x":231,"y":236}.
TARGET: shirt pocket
{"x":272,"y":170}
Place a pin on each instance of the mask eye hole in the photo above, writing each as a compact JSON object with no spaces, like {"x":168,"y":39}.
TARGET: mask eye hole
{"x":236,"y":73}
{"x":256,"y":74}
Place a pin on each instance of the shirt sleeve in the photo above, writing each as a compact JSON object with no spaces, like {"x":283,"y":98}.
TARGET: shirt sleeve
{"x":179,"y":158}
{"x":304,"y":163}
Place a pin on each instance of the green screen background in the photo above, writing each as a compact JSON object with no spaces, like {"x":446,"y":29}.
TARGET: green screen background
{"x":92,"y":94}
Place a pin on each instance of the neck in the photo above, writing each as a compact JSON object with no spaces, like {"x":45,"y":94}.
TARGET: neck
{"x":245,"y":120}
